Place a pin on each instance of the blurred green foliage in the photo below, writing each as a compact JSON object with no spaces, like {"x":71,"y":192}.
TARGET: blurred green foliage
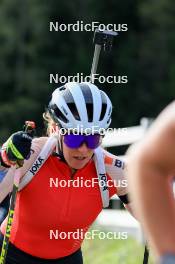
{"x":29,"y":52}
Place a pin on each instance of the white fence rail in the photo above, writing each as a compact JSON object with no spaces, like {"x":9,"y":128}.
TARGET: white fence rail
{"x":127,"y":135}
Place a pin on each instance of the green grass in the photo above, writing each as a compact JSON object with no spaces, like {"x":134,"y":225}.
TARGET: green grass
{"x":118,"y":251}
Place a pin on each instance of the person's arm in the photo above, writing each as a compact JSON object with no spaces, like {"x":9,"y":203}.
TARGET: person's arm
{"x":151,"y":169}
{"x":15,"y":152}
{"x":116,"y":169}
{"x":12,"y":154}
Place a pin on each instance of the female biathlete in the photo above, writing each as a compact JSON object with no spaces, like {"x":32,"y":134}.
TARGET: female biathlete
{"x":48,"y":203}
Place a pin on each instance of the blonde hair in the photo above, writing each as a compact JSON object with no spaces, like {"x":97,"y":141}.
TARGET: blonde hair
{"x":49,"y":123}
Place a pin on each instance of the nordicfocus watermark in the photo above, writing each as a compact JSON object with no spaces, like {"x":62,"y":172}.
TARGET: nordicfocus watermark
{"x":80,"y":182}
{"x":79,"y":77}
{"x":81,"y":26}
{"x":79,"y":234}
{"x":80,"y":129}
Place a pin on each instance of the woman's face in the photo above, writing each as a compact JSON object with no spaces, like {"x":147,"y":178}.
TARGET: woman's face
{"x":77,"y":158}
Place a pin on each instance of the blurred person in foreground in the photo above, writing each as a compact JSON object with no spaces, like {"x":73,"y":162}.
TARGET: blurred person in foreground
{"x":151,"y":171}
{"x":81,"y":111}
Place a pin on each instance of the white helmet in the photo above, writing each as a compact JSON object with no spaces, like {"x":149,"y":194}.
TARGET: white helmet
{"x":80,"y":105}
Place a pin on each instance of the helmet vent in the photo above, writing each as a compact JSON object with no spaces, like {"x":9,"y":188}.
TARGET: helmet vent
{"x":87,"y":94}
{"x":58,"y":114}
{"x":74,"y":110}
{"x":71,"y":103}
{"x":104,"y":106}
{"x":62,"y":88}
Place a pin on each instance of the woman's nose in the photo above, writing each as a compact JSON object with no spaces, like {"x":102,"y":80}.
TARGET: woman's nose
{"x":83,"y":148}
